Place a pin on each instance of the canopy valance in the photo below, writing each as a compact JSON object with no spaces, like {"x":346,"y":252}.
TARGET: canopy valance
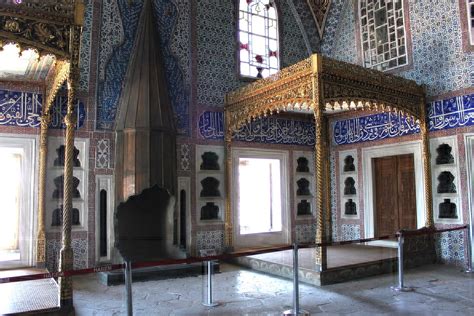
{"x":323,"y":82}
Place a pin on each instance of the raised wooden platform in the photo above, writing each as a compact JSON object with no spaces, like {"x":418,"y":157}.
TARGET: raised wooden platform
{"x":345,"y":263}
{"x":28,"y":297}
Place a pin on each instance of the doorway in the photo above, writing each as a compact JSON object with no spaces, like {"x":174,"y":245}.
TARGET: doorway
{"x":16,"y":213}
{"x":368,"y":155}
{"x":469,"y":141}
{"x":394,"y":193}
{"x":260,"y":195}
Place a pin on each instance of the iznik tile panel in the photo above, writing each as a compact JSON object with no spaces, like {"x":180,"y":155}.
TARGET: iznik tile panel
{"x":210,"y":240}
{"x":114,"y":72}
{"x":115,"y":57}
{"x":372,"y":127}
{"x":439,"y":61}
{"x":265,"y":130}
{"x":59,"y":111}
{"x":350,"y":232}
{"x":20,"y":109}
{"x":443,"y":114}
{"x":23,"y":109}
{"x":85,"y":50}
{"x":451,"y":113}
{"x":450,"y":247}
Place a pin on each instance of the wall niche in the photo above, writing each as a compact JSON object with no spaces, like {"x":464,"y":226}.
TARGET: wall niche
{"x":210,"y":195}
{"x":55,"y":184}
{"x":348,"y":184}
{"x":303,"y":175}
{"x":445,"y":180}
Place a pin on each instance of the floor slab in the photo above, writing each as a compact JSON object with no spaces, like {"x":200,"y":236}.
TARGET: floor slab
{"x":439,"y":290}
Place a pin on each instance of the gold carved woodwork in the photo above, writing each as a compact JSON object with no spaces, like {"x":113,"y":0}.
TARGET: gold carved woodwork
{"x":41,"y":25}
{"x":322,"y":86}
{"x":344,"y":86}
{"x":55,"y":81}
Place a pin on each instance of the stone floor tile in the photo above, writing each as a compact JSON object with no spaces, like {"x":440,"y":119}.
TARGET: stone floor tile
{"x":439,"y":290}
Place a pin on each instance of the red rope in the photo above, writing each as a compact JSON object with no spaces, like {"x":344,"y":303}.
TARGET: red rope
{"x":230,"y":255}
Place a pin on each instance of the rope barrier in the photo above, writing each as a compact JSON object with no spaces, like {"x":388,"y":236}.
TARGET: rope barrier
{"x":428,"y":231}
{"x":163,"y":262}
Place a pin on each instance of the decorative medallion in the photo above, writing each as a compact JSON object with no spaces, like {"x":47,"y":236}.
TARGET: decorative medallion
{"x":320,"y":10}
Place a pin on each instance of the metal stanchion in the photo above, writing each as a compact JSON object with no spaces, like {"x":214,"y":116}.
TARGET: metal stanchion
{"x":296,"y":293}
{"x":208,"y":302}
{"x":128,"y":287}
{"x":469,"y":250}
{"x":401,"y":287}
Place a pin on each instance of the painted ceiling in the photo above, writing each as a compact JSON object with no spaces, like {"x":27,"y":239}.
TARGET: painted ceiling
{"x":24,"y":66}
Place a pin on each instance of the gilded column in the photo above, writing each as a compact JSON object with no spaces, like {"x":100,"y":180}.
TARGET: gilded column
{"x":327,"y":183}
{"x":43,"y":155}
{"x":228,"y":238}
{"x":67,"y":255}
{"x":426,"y":157}
{"x":320,"y":161}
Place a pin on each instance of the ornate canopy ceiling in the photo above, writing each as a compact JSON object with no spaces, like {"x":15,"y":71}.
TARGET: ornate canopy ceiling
{"x":321,"y":82}
{"x":40,"y":41}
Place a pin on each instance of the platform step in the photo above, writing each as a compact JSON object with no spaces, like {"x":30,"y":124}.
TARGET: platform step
{"x":155,"y":273}
{"x":29,"y":297}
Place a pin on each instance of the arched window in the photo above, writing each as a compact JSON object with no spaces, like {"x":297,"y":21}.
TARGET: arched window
{"x":258,"y":38}
{"x":383,"y":34}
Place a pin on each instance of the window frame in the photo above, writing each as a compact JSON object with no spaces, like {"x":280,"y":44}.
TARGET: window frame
{"x":408,"y":39}
{"x":259,"y":239}
{"x":237,"y":41}
{"x":466,"y":30}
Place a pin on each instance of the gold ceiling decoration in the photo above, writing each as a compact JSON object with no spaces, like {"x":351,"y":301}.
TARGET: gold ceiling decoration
{"x":344,"y":87}
{"x":40,"y":25}
{"x":320,"y":11}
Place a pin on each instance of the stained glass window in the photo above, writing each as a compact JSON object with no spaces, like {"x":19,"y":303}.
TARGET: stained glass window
{"x":470,"y":20}
{"x":383,"y":34}
{"x":258,"y":38}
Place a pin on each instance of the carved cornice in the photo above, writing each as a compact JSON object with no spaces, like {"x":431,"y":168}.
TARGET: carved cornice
{"x":46,"y":38}
{"x":41,"y":25}
{"x":61,"y":11}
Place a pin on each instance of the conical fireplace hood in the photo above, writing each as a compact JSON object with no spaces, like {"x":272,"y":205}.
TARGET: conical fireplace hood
{"x":146,"y":134}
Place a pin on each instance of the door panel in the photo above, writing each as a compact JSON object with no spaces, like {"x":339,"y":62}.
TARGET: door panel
{"x":386,"y":200}
{"x":395,"y":194}
{"x":406,"y":192}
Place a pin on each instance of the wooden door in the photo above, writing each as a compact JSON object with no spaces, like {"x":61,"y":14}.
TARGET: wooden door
{"x":406,"y":192}
{"x":395,"y":199}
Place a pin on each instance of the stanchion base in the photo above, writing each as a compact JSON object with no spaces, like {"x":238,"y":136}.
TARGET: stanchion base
{"x":292,"y":312}
{"x":402,"y":289}
{"x":210,"y":305}
{"x":468,"y":271}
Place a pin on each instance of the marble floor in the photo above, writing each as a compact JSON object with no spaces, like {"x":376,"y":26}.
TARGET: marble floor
{"x":20,"y":297}
{"x":439,"y":290}
{"x":338,"y":256}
